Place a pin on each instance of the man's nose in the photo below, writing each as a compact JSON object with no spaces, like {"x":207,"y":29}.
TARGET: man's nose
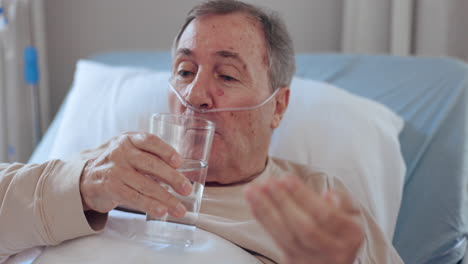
{"x":198,"y":95}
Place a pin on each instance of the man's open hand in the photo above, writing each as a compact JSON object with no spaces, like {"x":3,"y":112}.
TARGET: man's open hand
{"x":306,"y":226}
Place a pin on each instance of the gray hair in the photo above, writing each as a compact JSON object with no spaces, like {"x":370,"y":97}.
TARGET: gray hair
{"x":279,"y":46}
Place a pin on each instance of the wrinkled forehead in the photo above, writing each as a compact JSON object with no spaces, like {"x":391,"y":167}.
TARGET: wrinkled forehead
{"x":237,"y":33}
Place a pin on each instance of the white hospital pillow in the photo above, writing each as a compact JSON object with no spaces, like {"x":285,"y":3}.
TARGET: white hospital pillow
{"x":105,"y":101}
{"x":346,"y":135}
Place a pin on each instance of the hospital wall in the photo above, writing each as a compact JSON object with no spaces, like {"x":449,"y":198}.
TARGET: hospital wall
{"x":79,"y":28}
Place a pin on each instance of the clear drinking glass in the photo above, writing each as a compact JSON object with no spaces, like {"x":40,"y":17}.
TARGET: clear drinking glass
{"x":191,"y":137}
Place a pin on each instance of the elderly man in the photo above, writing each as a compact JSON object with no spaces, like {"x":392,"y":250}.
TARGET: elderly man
{"x":238,"y":59}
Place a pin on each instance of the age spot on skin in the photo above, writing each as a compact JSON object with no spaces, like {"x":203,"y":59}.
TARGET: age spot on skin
{"x":219,"y":92}
{"x":265,"y":61}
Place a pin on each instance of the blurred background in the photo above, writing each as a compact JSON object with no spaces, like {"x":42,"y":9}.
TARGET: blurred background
{"x":63,"y":31}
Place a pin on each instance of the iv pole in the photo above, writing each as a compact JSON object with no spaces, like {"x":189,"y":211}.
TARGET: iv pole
{"x":3,"y":118}
{"x":31,"y":77}
{"x":26,"y":93}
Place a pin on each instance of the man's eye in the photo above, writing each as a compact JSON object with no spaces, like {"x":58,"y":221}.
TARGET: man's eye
{"x":227,"y":78}
{"x":185,"y":74}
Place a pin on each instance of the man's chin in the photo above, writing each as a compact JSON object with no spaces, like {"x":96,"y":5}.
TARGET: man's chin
{"x":217,"y":153}
{"x":212,"y":174}
{"x":217,"y":164}
{"x":215,"y":175}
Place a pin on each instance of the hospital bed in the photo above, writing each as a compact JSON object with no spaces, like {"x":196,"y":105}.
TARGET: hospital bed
{"x":431,"y":95}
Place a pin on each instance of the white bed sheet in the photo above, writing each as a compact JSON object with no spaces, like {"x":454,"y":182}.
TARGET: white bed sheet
{"x":122,"y":242}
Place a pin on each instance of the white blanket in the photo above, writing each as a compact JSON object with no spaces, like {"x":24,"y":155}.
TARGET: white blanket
{"x":123,"y":242}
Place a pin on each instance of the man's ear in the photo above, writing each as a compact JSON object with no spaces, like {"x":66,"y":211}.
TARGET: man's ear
{"x":282,"y":101}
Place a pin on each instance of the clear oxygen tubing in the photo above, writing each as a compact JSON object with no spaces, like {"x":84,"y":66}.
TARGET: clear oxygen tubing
{"x":232,"y":109}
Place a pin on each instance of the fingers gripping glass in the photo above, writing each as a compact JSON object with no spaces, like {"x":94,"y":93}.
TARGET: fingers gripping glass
{"x":228,"y":109}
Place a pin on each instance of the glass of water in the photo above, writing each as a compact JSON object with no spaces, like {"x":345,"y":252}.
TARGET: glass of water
{"x":191,"y":137}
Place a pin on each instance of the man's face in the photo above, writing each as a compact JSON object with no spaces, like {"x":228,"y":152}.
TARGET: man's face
{"x":221,"y":62}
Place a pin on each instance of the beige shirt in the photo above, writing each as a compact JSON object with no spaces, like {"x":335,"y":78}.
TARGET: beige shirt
{"x":225,"y":212}
{"x":41,"y":205}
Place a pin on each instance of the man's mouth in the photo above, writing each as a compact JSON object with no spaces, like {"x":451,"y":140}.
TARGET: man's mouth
{"x":210,"y":117}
